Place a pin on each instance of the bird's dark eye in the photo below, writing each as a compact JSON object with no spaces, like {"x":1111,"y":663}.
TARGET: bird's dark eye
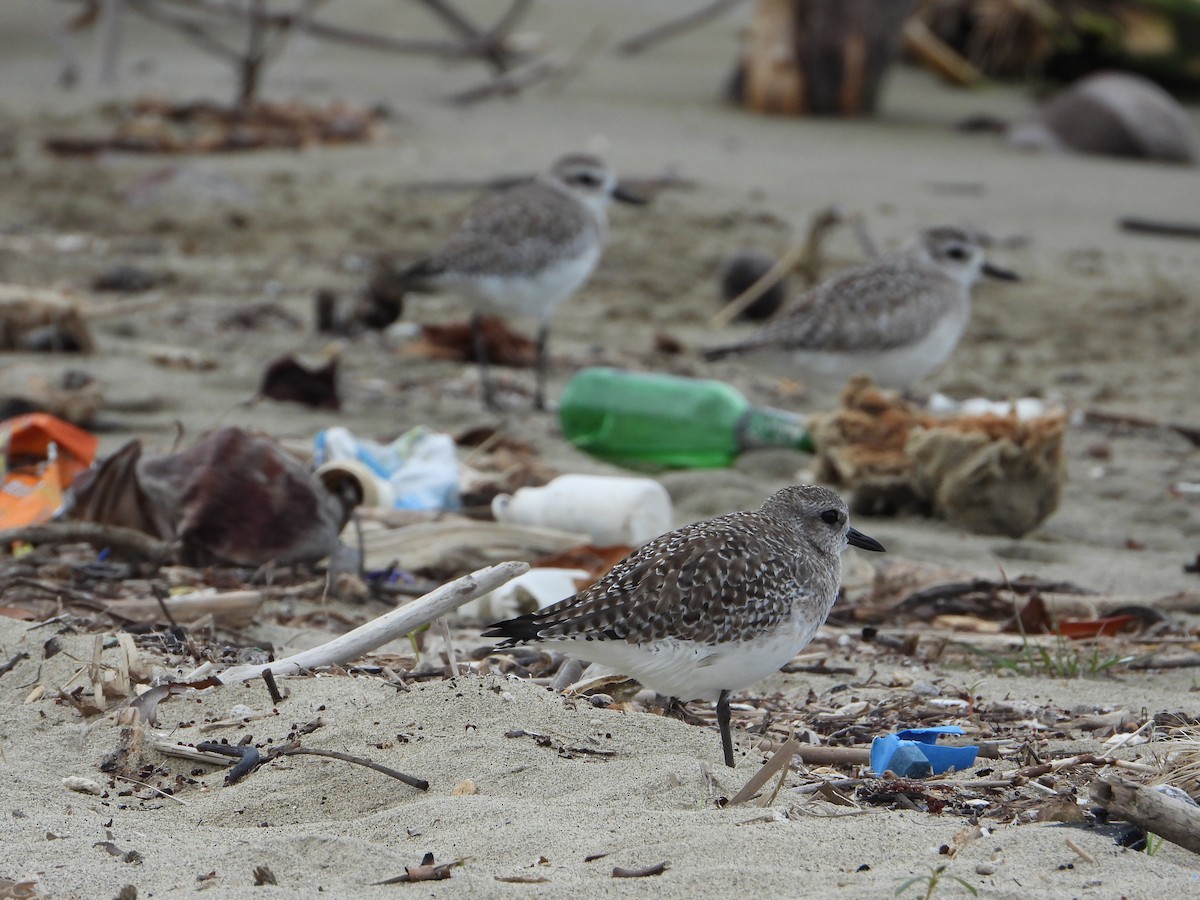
{"x":958,"y":252}
{"x":831,"y":517}
{"x":587,"y":179}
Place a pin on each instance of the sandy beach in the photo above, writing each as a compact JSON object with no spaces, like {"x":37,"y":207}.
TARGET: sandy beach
{"x":535,"y":793}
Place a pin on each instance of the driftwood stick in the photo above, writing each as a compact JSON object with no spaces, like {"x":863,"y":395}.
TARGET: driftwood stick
{"x":1152,"y":811}
{"x":391,"y":625}
{"x":411,"y":780}
{"x":124,"y":541}
{"x":168,"y":747}
{"x":938,"y":57}
{"x":802,"y":256}
{"x":1159,"y":227}
{"x":646,"y":39}
{"x":229,"y":608}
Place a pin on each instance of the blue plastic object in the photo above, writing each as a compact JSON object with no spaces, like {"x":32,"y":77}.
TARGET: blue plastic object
{"x":419,"y":470}
{"x":915,"y":753}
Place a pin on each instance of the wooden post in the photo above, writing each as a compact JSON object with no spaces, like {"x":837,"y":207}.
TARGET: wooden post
{"x":819,"y":57}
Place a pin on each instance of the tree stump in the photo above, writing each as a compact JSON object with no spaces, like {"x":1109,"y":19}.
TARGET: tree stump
{"x":819,"y":57}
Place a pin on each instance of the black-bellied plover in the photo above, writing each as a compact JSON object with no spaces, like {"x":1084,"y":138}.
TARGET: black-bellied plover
{"x":524,"y":250}
{"x":712,"y":607}
{"x":896,"y":318}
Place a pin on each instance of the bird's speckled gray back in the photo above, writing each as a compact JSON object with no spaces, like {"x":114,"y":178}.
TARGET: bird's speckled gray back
{"x":725,"y":579}
{"x":527,"y":227}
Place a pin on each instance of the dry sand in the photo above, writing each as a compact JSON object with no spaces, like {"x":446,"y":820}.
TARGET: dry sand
{"x":1103,"y":320}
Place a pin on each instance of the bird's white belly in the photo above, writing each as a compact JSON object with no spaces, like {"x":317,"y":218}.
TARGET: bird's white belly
{"x":898,"y":367}
{"x":692,"y":671}
{"x":535,"y":294}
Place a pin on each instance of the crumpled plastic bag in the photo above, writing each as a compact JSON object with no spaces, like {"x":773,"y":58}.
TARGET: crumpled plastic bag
{"x":40,"y":455}
{"x":233,"y":497}
{"x":418,"y":470}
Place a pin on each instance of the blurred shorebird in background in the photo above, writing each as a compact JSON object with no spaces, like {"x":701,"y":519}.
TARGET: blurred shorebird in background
{"x":524,"y":250}
{"x":896,"y":318}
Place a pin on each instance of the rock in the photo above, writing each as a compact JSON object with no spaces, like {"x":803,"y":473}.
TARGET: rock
{"x":1111,"y":114}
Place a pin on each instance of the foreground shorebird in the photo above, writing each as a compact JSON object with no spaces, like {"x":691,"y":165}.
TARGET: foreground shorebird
{"x":709,"y":608}
{"x":524,"y":250}
{"x":896,"y":318}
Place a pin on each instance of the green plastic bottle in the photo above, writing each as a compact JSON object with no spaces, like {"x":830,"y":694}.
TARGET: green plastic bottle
{"x":637,"y":418}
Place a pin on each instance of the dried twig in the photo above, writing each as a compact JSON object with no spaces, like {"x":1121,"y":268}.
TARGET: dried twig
{"x":490,"y":42}
{"x":804,"y":256}
{"x":550,"y":67}
{"x":412,"y":781}
{"x":1080,"y":852}
{"x":428,"y":870}
{"x":156,"y":790}
{"x":641,"y":872}
{"x":659,"y":33}
{"x":777,"y":763}
{"x":448,"y":640}
{"x":13,"y":662}
{"x":124,"y":541}
{"x":272,"y":687}
{"x":939,"y":57}
{"x":1159,"y":227}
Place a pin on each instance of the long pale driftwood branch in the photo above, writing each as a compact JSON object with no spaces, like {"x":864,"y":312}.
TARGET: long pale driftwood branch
{"x":1153,"y":811}
{"x":391,"y":625}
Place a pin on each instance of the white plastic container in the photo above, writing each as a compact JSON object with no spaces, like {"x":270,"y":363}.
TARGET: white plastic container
{"x":536,"y":589}
{"x":610,"y":509}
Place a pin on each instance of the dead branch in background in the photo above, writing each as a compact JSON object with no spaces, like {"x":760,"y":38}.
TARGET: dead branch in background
{"x":553,"y":68}
{"x":667,"y":30}
{"x":268,"y":32}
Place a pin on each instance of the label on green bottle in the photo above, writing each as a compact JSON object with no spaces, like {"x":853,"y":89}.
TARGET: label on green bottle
{"x":763,"y":426}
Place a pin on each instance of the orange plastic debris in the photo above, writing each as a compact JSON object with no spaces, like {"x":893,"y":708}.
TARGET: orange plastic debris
{"x":1082,"y":629}
{"x":40,"y":455}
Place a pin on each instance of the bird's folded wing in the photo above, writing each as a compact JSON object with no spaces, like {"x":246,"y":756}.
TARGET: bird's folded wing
{"x":864,"y":310}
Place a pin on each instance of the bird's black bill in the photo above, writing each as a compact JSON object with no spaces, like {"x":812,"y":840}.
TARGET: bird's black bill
{"x":997,"y":272}
{"x":858,"y":539}
{"x":627,"y":196}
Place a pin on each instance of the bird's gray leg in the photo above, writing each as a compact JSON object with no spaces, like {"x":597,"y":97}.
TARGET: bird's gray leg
{"x":479,"y":342}
{"x":723,"y":721}
{"x":539,"y":397}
